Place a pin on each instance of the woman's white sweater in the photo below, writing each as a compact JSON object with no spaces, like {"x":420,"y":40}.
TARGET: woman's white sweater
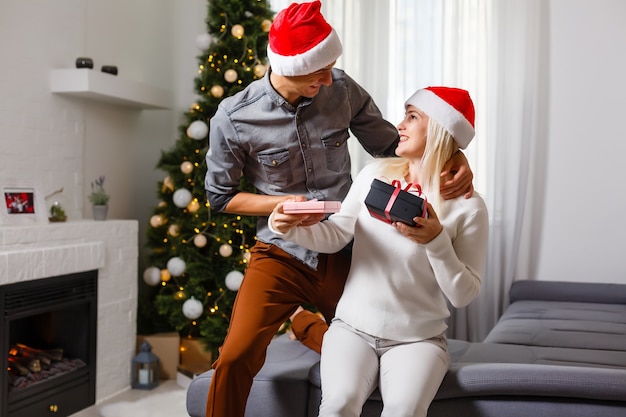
{"x":396,"y":288}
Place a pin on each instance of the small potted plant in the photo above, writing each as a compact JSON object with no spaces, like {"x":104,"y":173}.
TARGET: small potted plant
{"x":99,"y":199}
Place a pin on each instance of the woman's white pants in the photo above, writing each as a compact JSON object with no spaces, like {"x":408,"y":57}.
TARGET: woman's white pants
{"x":353,"y":364}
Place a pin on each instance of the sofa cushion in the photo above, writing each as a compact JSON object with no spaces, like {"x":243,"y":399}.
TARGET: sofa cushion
{"x":562,"y":324}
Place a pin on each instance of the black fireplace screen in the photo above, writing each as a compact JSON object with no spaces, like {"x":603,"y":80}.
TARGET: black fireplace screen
{"x":48,"y":345}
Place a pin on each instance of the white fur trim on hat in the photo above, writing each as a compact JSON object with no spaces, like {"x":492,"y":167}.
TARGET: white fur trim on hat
{"x":445,"y":114}
{"x":319,"y":56}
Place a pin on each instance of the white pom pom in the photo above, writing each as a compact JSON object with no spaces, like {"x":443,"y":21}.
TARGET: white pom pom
{"x":192,"y":308}
{"x":203,"y":41}
{"x":198,"y":130}
{"x":152,"y":276}
{"x":176,"y":266}
{"x":182,"y":197}
{"x":234,"y":280}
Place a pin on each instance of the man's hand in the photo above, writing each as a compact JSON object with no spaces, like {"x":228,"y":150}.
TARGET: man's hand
{"x":456,"y":177}
{"x":285,"y":222}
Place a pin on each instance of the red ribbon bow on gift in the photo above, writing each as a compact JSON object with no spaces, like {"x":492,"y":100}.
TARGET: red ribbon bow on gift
{"x":394,"y":196}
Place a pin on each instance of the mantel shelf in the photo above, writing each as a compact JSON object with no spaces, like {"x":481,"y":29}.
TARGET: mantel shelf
{"x":95,"y":85}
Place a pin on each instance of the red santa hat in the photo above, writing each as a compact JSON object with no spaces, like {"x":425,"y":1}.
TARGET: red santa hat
{"x":451,"y":107}
{"x":301,"y":41}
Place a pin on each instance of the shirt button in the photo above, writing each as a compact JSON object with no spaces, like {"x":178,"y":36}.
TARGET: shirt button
{"x":274,"y":162}
{"x":337,"y":144}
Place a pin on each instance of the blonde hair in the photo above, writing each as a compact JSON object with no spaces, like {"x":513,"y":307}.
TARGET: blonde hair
{"x":440,"y":146}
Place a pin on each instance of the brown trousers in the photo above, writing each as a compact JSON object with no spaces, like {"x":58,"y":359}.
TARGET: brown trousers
{"x":275,"y":284}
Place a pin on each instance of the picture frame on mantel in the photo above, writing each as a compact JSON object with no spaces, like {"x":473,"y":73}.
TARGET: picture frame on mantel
{"x":23,"y":203}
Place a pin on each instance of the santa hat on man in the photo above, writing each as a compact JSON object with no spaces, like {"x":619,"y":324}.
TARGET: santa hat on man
{"x":301,"y":41}
{"x":451,"y":107}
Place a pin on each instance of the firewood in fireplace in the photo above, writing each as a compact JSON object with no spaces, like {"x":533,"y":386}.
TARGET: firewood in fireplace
{"x":16,"y":367}
{"x":53,"y":354}
{"x":45,"y":361}
{"x":32,"y":365}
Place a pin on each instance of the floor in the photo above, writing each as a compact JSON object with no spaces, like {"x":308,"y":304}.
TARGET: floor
{"x":130,"y":395}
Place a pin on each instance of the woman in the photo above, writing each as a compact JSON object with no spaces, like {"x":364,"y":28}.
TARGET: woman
{"x":390,"y":321}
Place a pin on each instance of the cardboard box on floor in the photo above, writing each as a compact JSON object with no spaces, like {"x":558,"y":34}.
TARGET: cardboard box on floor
{"x":166,"y":346}
{"x":193,"y":355}
{"x":194,"y":360}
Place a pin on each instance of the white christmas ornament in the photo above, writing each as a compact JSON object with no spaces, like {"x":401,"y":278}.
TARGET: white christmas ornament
{"x":192,"y":308}
{"x":200,"y":241}
{"x":203,"y":41}
{"x":152,"y":276}
{"x":198,"y":130}
{"x":186,"y":167}
{"x":226,"y":250}
{"x":176,"y":266}
{"x":230,"y":75}
{"x":234,"y":280}
{"x":182,"y":197}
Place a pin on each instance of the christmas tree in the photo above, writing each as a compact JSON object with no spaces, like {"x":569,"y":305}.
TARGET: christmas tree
{"x":198,"y":255}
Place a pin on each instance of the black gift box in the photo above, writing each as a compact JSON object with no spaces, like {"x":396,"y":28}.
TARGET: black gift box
{"x":404,"y":208}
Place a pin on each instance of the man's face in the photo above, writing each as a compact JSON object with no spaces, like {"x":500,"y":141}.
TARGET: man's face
{"x":309,"y":85}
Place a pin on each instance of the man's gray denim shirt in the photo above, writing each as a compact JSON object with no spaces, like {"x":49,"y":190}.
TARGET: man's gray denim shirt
{"x":287,"y":150}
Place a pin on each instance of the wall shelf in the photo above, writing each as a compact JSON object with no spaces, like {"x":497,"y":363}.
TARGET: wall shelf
{"x":94,"y":85}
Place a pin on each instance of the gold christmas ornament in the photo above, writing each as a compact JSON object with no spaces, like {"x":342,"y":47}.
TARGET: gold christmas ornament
{"x":259,"y":70}
{"x":165,"y":275}
{"x":266,"y":25}
{"x":173,"y":230}
{"x":157,"y":220}
{"x":186,"y":167}
{"x":200,"y":241}
{"x":168,"y":184}
{"x":231,"y":75}
{"x":237,"y":31}
{"x":193,"y":206}
{"x":217,"y":91}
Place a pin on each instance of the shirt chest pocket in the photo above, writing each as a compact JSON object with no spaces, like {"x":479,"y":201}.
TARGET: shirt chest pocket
{"x":336,"y":150}
{"x":276,"y":167}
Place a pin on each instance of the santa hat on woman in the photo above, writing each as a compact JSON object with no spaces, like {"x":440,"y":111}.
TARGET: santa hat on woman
{"x":301,"y":41}
{"x":451,"y":107}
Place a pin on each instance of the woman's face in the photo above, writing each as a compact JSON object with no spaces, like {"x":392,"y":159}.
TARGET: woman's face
{"x":413,"y":130}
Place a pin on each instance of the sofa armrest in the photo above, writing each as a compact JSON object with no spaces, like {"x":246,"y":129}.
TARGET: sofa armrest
{"x":568,"y":291}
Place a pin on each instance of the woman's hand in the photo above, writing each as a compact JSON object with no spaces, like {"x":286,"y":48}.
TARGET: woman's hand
{"x":425,"y":230}
{"x":285,"y":222}
{"x":456,"y":177}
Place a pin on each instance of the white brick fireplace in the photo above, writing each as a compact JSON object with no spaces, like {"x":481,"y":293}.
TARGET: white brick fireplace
{"x":46,"y":250}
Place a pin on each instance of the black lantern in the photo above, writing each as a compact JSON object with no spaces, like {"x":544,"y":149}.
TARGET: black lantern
{"x":145,"y":370}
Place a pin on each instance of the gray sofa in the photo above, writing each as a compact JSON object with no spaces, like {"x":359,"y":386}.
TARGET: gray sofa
{"x":559,"y":349}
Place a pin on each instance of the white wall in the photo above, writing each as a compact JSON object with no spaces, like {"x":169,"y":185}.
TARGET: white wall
{"x":585,"y":203}
{"x":62,"y":141}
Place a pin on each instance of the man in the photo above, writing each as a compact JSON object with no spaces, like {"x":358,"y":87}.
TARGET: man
{"x":287,"y":134}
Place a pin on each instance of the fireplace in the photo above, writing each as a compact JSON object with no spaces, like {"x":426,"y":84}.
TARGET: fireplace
{"x":43,"y":316}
